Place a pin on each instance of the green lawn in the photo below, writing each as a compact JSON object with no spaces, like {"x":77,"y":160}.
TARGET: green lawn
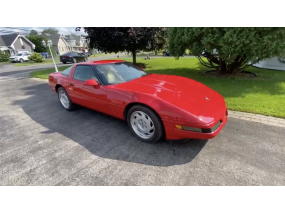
{"x":103,"y":54}
{"x":48,"y":61}
{"x":263,"y":95}
{"x":2,"y":63}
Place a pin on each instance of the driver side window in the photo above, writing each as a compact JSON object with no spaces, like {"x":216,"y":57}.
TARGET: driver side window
{"x":84,"y":72}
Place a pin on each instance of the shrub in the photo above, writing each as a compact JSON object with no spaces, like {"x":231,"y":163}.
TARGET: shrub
{"x":36,"y":57}
{"x":4,"y":57}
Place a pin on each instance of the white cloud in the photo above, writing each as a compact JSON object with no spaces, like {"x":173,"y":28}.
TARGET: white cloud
{"x":25,"y":30}
{"x":66,"y":31}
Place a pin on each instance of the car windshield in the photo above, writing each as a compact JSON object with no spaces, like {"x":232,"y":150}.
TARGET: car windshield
{"x":19,"y":54}
{"x":116,"y":73}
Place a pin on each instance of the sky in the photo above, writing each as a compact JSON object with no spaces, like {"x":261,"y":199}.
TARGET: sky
{"x":62,"y":30}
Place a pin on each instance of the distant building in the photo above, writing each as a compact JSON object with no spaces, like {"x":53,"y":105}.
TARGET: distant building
{"x":77,"y":43}
{"x":59,"y":44}
{"x":16,"y":43}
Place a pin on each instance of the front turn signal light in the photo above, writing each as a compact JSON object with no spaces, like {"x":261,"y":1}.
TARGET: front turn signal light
{"x":178,"y":127}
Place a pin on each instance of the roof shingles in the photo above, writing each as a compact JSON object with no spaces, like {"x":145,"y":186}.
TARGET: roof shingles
{"x":7,"y":40}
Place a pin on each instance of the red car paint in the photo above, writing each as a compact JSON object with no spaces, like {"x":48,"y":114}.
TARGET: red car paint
{"x":177,"y":100}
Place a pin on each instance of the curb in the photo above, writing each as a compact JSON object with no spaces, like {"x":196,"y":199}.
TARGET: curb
{"x":258,"y":118}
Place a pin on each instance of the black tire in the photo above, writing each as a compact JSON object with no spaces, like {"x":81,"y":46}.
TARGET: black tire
{"x":74,"y":60}
{"x":21,"y":60}
{"x":159,"y":128}
{"x":64,"y":62}
{"x":71,"y":104}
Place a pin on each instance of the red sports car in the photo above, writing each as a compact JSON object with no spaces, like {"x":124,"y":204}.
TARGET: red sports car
{"x":154,"y":105}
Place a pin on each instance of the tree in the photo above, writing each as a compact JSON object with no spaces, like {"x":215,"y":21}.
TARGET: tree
{"x":50,"y":30}
{"x":33,"y":33}
{"x":37,"y":40}
{"x":228,"y":49}
{"x":159,"y":40}
{"x":115,"y":39}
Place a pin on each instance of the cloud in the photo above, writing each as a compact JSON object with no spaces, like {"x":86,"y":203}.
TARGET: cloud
{"x":25,"y":30}
{"x":69,"y":30}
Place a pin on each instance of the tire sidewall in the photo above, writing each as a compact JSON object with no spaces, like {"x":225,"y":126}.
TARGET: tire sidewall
{"x":70,"y":103}
{"x":159,"y":129}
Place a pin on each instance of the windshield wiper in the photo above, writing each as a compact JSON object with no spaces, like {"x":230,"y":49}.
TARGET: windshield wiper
{"x":145,"y":75}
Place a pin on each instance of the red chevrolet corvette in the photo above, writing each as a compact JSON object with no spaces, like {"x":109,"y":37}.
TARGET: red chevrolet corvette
{"x":153,"y":105}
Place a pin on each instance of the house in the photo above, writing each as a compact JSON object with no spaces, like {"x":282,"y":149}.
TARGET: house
{"x":77,"y":43}
{"x":15,"y":43}
{"x":59,"y":44}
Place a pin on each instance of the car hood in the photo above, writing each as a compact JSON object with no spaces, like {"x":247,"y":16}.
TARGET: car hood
{"x":185,"y":93}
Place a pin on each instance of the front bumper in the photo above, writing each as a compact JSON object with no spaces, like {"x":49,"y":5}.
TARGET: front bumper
{"x":173,"y":133}
{"x":14,"y":60}
{"x":66,"y":60}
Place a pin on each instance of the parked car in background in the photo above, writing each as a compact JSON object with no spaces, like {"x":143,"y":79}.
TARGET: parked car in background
{"x":20,"y":57}
{"x":86,"y":54}
{"x":73,"y":57}
{"x":166,"y":53}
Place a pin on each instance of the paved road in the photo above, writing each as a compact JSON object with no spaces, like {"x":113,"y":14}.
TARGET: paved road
{"x":42,"y":144}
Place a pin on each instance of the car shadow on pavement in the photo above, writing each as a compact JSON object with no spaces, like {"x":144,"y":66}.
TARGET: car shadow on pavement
{"x":102,"y":135}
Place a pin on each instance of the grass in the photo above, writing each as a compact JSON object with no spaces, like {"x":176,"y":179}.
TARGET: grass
{"x":263,"y":95}
{"x":1,"y":63}
{"x":43,"y":74}
{"x":48,"y":61}
{"x":99,"y":55}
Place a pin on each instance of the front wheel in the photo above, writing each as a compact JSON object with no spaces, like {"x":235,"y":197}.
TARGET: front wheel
{"x":21,"y":60}
{"x":145,"y":124}
{"x":64,"y":99}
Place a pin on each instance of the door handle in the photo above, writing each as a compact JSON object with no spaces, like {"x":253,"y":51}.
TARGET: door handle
{"x":72,"y":84}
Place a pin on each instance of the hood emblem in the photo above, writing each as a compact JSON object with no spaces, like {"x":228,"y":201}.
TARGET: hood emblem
{"x":207,"y":98}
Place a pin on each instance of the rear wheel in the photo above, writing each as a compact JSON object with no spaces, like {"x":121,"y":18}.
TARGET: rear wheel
{"x":145,"y":124}
{"x":64,"y":99}
{"x":64,"y":62}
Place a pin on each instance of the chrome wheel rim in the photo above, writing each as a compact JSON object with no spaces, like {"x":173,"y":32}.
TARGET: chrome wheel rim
{"x":142,"y":125}
{"x":63,"y":99}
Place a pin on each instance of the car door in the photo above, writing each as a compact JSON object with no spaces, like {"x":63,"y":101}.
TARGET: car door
{"x":88,"y":96}
{"x":81,"y":56}
{"x":77,"y":57}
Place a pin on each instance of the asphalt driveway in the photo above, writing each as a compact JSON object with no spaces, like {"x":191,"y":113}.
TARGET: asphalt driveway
{"x":42,"y":144}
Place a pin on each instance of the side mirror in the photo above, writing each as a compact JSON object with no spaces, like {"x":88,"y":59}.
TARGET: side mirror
{"x":91,"y":82}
